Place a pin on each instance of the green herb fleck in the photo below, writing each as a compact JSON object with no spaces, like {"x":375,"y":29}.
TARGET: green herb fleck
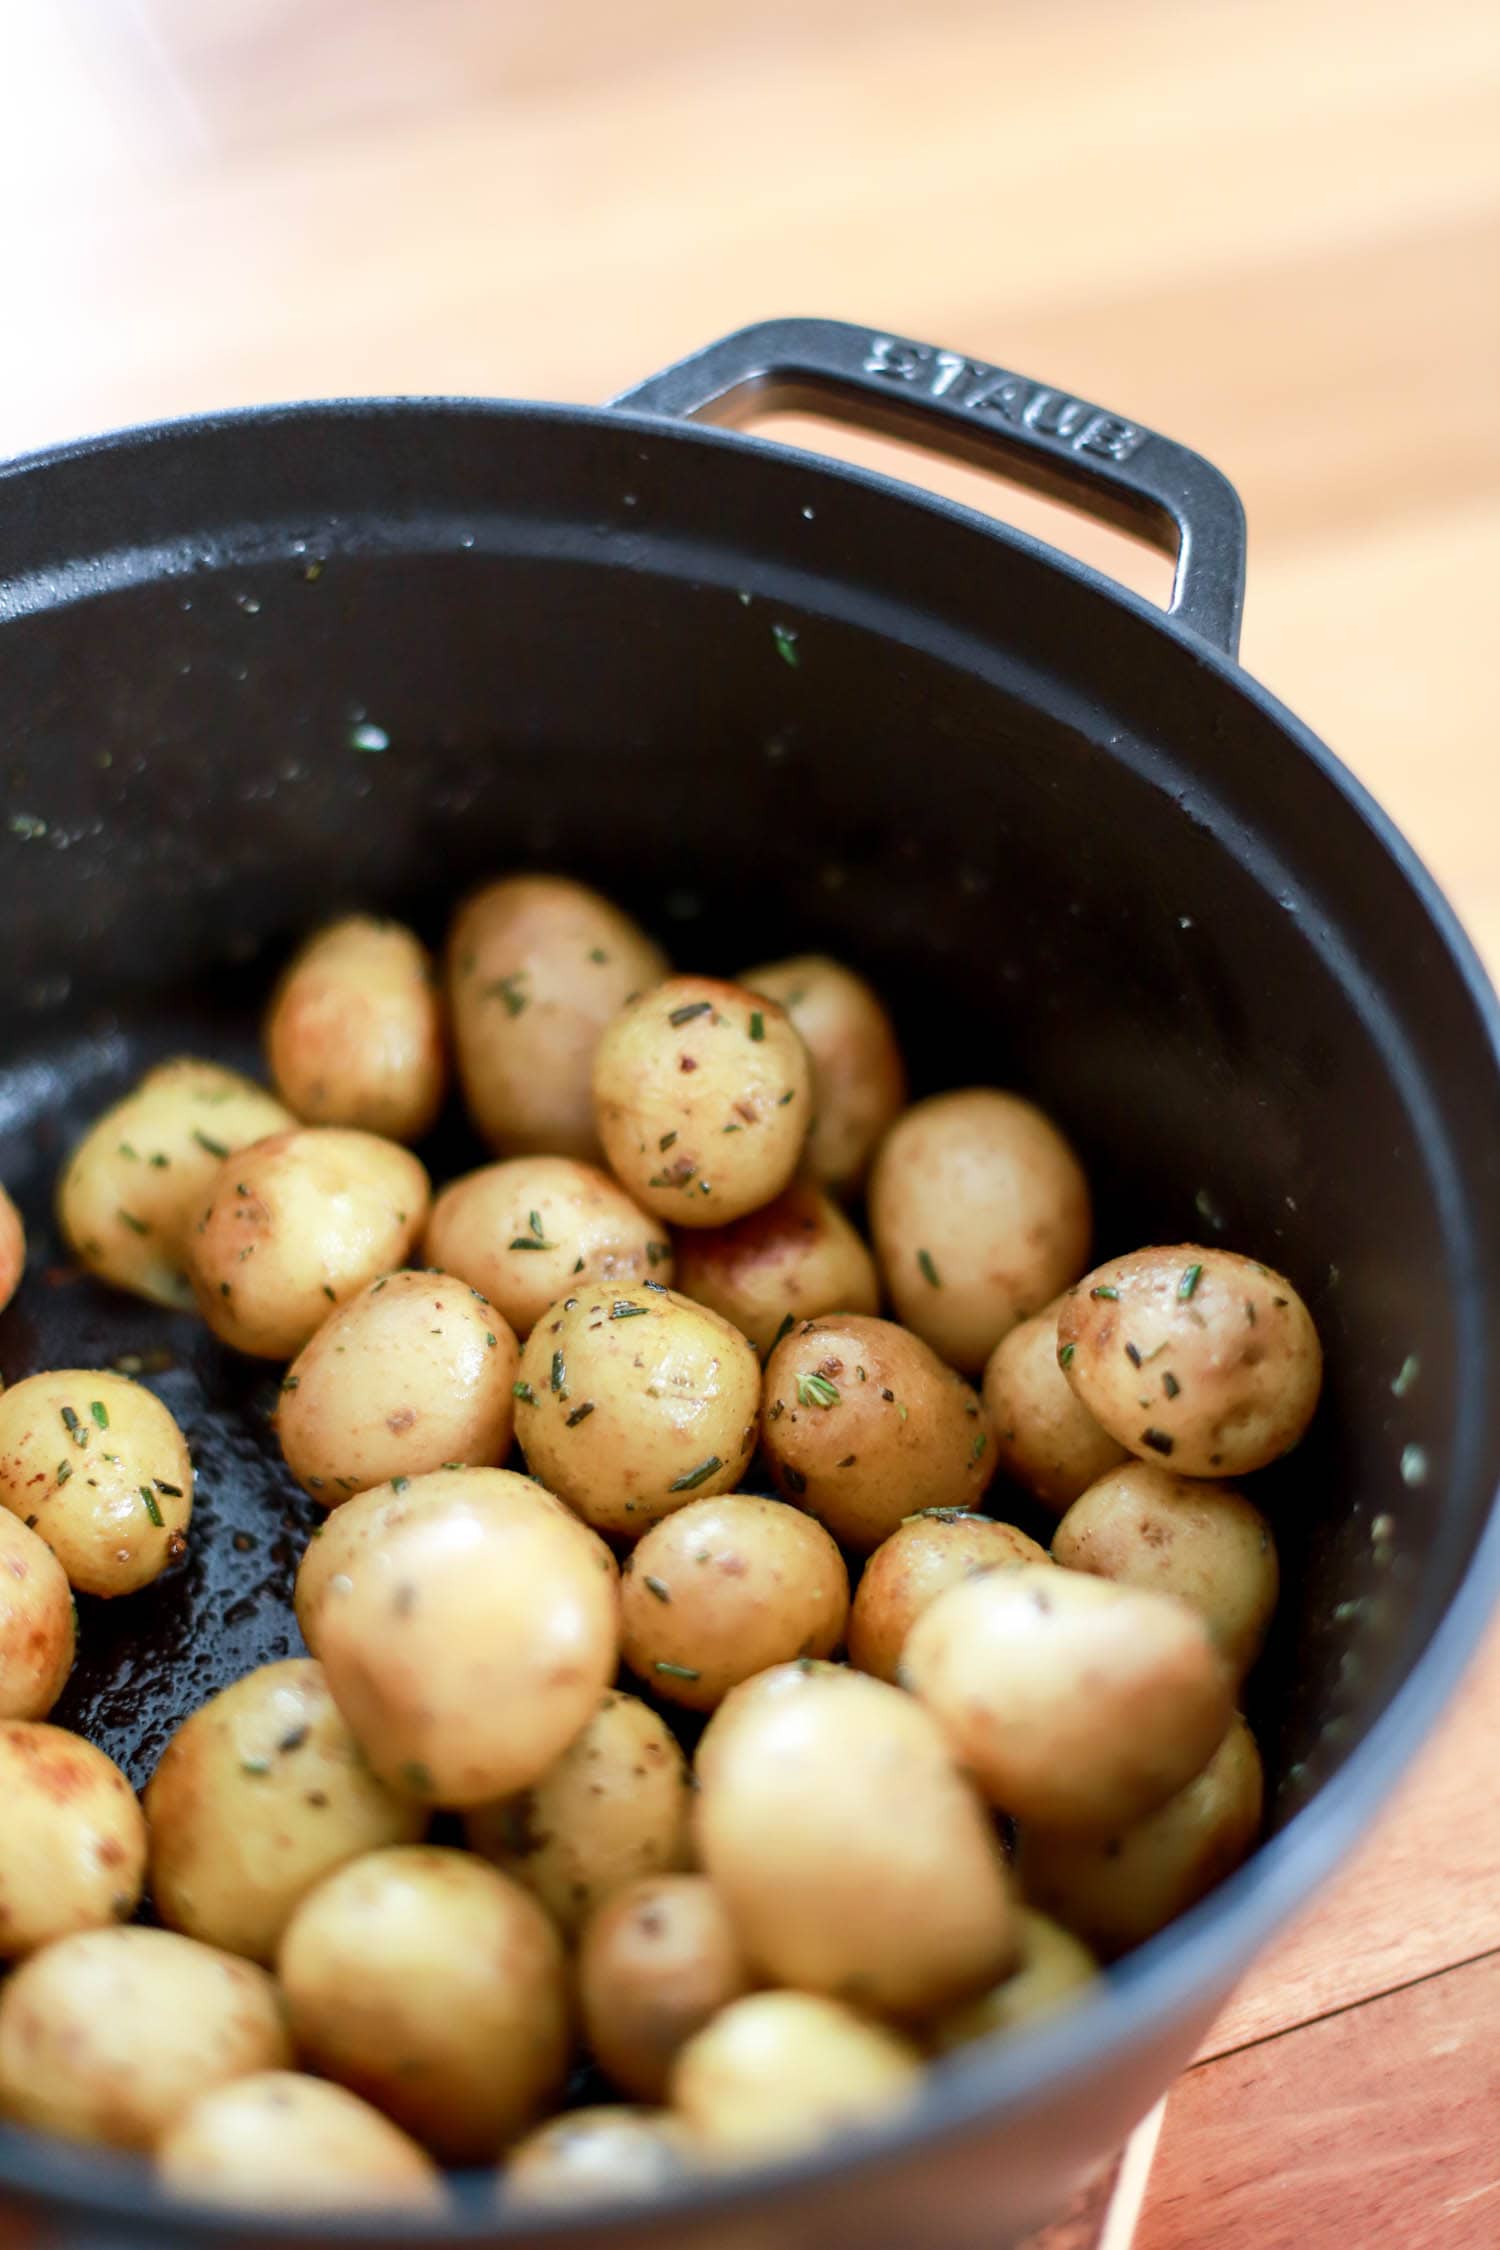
{"x":1411,"y":1368}
{"x":1158,"y":1441}
{"x":1170,"y":1384}
{"x":490,"y":1339}
{"x":789,"y":1096}
{"x":559,"y":1375}
{"x":524,"y":1392}
{"x":127,"y":1150}
{"x":623,"y":1309}
{"x":655,"y":1252}
{"x":580,"y":1414}
{"x":687,"y":1011}
{"x":1110,"y":1296}
{"x":129,"y":1219}
{"x":1065,"y":1356}
{"x":159,"y":1161}
{"x":659,"y":1588}
{"x":100,"y":1412}
{"x":417,"y":1778}
{"x":1191,"y":1276}
{"x":676,"y":1671}
{"x":978,"y":1446}
{"x":64,"y":1471}
{"x":152,"y":1510}
{"x":929,"y":1270}
{"x":786,"y":645}
{"x":816,"y":1390}
{"x":509,"y":990}
{"x":74,"y":1427}
{"x":597,"y":953}
{"x":666,"y":1142}
{"x":256,"y":1766}
{"x":695,"y":1477}
{"x":214,"y":1148}
{"x":757,"y":1025}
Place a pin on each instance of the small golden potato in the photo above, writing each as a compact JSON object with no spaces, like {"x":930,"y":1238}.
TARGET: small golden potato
{"x":657,"y":1963}
{"x":109,"y":2035}
{"x":1118,"y":1890}
{"x":289,"y":2143}
{"x":470,"y":1641}
{"x":727,"y":1588}
{"x":414,"y":1372}
{"x":1074,"y":1702}
{"x":259,"y":1795}
{"x":354,"y":1035}
{"x":134,"y":1188}
{"x":851,"y":1855}
{"x":980,"y":1214}
{"x":788,"y":1261}
{"x":72,"y":1838}
{"x":703,"y":1094}
{"x":434,"y":1987}
{"x":859,"y":1079}
{"x":778,"y":2072}
{"x":1054,"y":1970}
{"x":1202,"y":1541}
{"x":96,"y":1466}
{"x":631,"y":1406}
{"x":38,"y":1628}
{"x":1045,"y":1437}
{"x":863,"y":1426}
{"x":612,"y":2153}
{"x":537,"y":966}
{"x":1197,"y":1357}
{"x":297,"y":1223}
{"x":613,"y":1807}
{"x":12,"y":1249}
{"x":527,"y":1232}
{"x":909,"y":1570}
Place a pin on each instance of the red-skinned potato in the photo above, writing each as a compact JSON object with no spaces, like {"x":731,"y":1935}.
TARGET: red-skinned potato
{"x":790,"y":1260}
{"x":72,"y":1838}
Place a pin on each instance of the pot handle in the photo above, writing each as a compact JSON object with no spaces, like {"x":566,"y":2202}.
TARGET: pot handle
{"x":1044,"y":438}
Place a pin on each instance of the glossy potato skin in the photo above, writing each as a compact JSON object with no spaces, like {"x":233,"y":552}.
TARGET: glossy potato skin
{"x":72,"y":1838}
{"x":790,"y":1260}
{"x":657,"y":1962}
{"x":1054,"y":1970}
{"x":280,"y":2140}
{"x":909,"y":1570}
{"x":98,"y":1468}
{"x":979,"y":1212}
{"x":517,"y":1232}
{"x":536,"y":967}
{"x":781,"y":2071}
{"x":354,"y":1033}
{"x":38,"y":1629}
{"x":1045,"y":1437}
{"x":859,"y":1078}
{"x":12,"y":1249}
{"x":612,"y":2153}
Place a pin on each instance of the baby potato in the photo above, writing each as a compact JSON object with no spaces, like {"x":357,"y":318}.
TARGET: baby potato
{"x":703,"y":1095}
{"x":38,"y":1630}
{"x":1202,"y":1541}
{"x":434,"y":1987}
{"x":852,"y":1856}
{"x":12,"y":1249}
{"x":658,"y":1961}
{"x":108,"y":2036}
{"x":286,"y":2142}
{"x":631,"y":1406}
{"x":1118,"y":1890}
{"x":980,"y":1215}
{"x":587,"y":2154}
{"x":297,"y":1223}
{"x":864,"y":1426}
{"x":612,"y":1808}
{"x":859,"y":1079}
{"x":72,"y":1838}
{"x":727,"y":1588}
{"x":790,"y":1260}
{"x":134,"y":1188}
{"x":1194,"y":1356}
{"x":526,"y":1232}
{"x":1045,"y":1438}
{"x":778,"y":2072}
{"x":259,"y":1795}
{"x":96,"y":1466}
{"x":537,"y":966}
{"x":470,"y":1641}
{"x":416,"y":1371}
{"x":909,"y":1570}
{"x":1054,"y":1970}
{"x":1074,"y":1702}
{"x":354,"y":1035}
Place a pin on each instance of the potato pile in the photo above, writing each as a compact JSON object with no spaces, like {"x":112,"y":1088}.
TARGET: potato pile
{"x":942,"y":1774}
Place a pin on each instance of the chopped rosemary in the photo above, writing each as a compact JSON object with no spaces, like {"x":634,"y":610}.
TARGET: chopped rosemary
{"x":152,"y":1510}
{"x":666,"y":1142}
{"x":1111,"y":1296}
{"x":929,"y":1270}
{"x":1191,"y":1276}
{"x":816,"y":1390}
{"x":623,"y":1309}
{"x":757,"y":1024}
{"x":524,"y":1392}
{"x":658,"y":1587}
{"x":688,"y":1010}
{"x":129,"y":1219}
{"x":214,"y":1148}
{"x":1158,"y":1441}
{"x":786,"y":645}
{"x":64,"y":1471}
{"x":978,"y":1446}
{"x":580,"y":1414}
{"x":1132,"y":1353}
{"x":290,"y":1382}
{"x":559,"y":1375}
{"x":694,"y":1477}
{"x":676,"y":1671}
{"x":509,"y":990}
{"x":100,"y":1412}
{"x":536,"y":1240}
{"x":74,"y":1427}
{"x":1065,"y":1355}
{"x":1170,"y":1384}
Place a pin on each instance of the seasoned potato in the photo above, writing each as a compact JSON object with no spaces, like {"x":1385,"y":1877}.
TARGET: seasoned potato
{"x":1045,"y":1437}
{"x":1198,"y":1357}
{"x":703,"y":1094}
{"x":354,"y":1035}
{"x":537,"y":966}
{"x":612,"y":2152}
{"x":851,"y":1855}
{"x":526,"y":1232}
{"x":470,"y":1641}
{"x":72,"y":1838}
{"x":1073,"y":1702}
{"x":434,"y":1987}
{"x":287,"y":2142}
{"x":12,"y":1249}
{"x":97,"y":1467}
{"x":1204,"y":1542}
{"x":863,"y":1426}
{"x":134,"y":1188}
{"x":859,"y":1079}
{"x":259,"y":1795}
{"x":1054,"y":1970}
{"x":788,"y":1261}
{"x":909,"y":1570}
{"x":980,"y":1214}
{"x":109,"y":2035}
{"x":726,"y":1588}
{"x":614,"y":1807}
{"x":629,"y":1407}
{"x":657,"y":1963}
{"x":415,"y":1372}
{"x":38,"y":1629}
{"x":778,"y":2072}
{"x":1118,"y":1890}
{"x":297,"y":1223}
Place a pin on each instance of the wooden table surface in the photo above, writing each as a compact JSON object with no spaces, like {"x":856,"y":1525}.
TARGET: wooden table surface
{"x":1270,"y":227}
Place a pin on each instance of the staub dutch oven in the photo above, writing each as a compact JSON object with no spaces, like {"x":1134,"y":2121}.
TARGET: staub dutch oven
{"x":258,"y":668}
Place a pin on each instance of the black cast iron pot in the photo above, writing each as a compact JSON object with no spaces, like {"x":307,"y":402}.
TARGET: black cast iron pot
{"x":772,"y":703}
